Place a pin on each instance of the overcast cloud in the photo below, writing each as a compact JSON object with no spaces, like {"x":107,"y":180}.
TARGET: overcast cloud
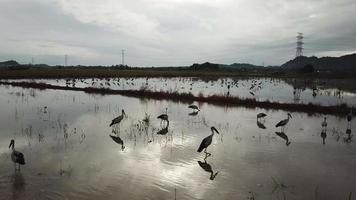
{"x":173,"y":32}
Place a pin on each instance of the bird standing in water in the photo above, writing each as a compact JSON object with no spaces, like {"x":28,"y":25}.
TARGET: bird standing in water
{"x":284,"y":122}
{"x":163,"y":117}
{"x":16,"y":156}
{"x":261,"y":115}
{"x":118,"y":119}
{"x":324,"y":124}
{"x":207,"y":141}
{"x":194,"y":107}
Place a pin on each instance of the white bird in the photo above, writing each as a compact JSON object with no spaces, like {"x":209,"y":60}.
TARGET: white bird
{"x":16,"y":156}
{"x":118,"y":119}
{"x":284,"y":122}
{"x":207,"y":141}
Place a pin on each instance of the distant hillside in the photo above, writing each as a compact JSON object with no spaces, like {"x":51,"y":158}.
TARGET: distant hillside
{"x":9,"y":63}
{"x":204,"y":66}
{"x":344,"y":63}
{"x":242,"y":66}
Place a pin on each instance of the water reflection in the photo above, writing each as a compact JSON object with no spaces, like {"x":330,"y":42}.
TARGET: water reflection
{"x":69,"y":148}
{"x":261,"y":125}
{"x":323,"y":135}
{"x":284,"y":137}
{"x":194,"y":113}
{"x":18,"y":185}
{"x":118,"y":140}
{"x":207,"y":167}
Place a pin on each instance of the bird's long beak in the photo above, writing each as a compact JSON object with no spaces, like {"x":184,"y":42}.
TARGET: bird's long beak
{"x":216,"y":130}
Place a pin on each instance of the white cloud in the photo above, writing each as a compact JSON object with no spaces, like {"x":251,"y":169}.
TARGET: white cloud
{"x":179,"y":32}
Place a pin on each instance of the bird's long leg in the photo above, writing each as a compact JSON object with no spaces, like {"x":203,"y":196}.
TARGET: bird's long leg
{"x":206,"y":151}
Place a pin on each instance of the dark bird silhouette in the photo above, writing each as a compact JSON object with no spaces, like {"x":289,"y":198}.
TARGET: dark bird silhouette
{"x":261,"y":125}
{"x":284,"y":137}
{"x":261,"y":115}
{"x":207,"y":141}
{"x":349,"y":116}
{"x":118,"y":119}
{"x":284,"y":122}
{"x":324,"y":124}
{"x":16,"y":156}
{"x":194,"y":107}
{"x":207,"y":167}
{"x":118,"y":140}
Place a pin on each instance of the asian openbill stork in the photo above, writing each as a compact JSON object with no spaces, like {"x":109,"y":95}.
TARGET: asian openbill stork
{"x":118,"y":119}
{"x":16,"y":156}
{"x":194,"y":107}
{"x":284,"y":122}
{"x":163,"y":117}
{"x":207,"y":141}
{"x":324,"y":124}
{"x":349,"y":116}
{"x":261,"y":115}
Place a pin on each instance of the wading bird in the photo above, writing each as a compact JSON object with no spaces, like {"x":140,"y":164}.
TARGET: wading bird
{"x":349,"y":116}
{"x":163,"y":117}
{"x":164,"y":131}
{"x":194,"y":107}
{"x":324,"y":124}
{"x":16,"y":156}
{"x":118,"y":119}
{"x":261,"y":115}
{"x":284,"y":122}
{"x":207,"y":141}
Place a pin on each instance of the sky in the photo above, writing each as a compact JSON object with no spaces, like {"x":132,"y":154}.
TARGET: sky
{"x":173,"y":32}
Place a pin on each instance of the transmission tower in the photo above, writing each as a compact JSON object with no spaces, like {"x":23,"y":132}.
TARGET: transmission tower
{"x":65,"y":60}
{"x":299,"y":45}
{"x":123,"y":57}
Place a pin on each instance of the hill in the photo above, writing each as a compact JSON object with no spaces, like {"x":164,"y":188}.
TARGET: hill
{"x":345,"y":63}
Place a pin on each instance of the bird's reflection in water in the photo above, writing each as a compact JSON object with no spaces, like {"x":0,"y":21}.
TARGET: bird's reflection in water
{"x":284,"y":137}
{"x":194,"y":113}
{"x":118,"y":140}
{"x":164,"y":130}
{"x":18,"y":185}
{"x":323,"y":135}
{"x":348,"y":138}
{"x":261,"y":125}
{"x":207,"y":167}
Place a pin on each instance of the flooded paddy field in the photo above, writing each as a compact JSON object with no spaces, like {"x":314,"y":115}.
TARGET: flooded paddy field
{"x":69,"y":153}
{"x":288,"y":90}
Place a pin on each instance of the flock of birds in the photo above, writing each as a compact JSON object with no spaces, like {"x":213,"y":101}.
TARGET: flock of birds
{"x":18,"y":157}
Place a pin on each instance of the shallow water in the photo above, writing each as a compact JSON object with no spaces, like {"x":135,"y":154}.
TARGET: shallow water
{"x":69,"y":154}
{"x":317,"y":91}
